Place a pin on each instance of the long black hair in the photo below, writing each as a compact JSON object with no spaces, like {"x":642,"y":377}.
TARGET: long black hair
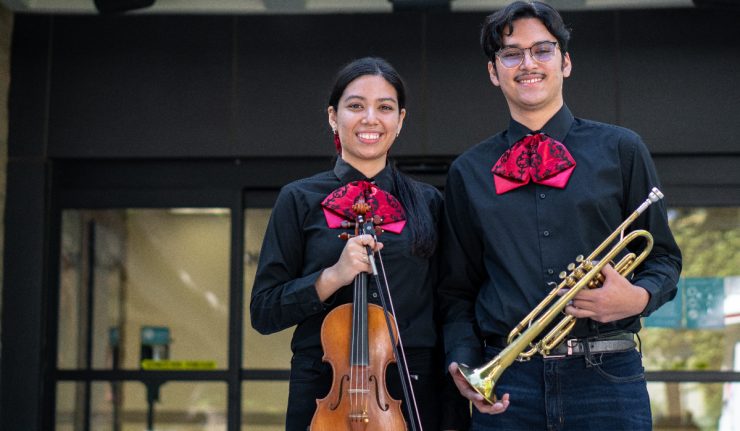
{"x":419,"y":218}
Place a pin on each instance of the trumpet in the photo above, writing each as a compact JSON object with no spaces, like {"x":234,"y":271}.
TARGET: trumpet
{"x":586,"y":274}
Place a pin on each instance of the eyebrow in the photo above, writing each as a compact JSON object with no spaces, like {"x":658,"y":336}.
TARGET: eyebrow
{"x":382,"y":99}
{"x":519,"y":45}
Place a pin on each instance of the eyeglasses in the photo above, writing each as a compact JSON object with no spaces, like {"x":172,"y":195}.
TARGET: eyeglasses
{"x":513,"y":57}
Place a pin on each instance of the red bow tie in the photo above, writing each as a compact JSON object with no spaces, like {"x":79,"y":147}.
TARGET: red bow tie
{"x":338,"y":206}
{"x":538,"y":158}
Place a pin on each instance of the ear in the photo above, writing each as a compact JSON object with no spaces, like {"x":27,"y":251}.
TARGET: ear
{"x":332,"y":117}
{"x":567,"y":65}
{"x":493,"y":75}
{"x":400,"y":121}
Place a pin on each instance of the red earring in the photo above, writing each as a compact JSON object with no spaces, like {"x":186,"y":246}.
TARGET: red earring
{"x":337,"y":142}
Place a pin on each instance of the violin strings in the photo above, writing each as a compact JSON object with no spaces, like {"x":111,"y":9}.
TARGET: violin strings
{"x":353,"y":356}
{"x":364,"y":346}
{"x":403,"y":368}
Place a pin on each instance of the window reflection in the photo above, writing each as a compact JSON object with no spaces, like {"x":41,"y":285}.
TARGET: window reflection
{"x":125,"y":270}
{"x":702,"y":329}
{"x":181,"y":407}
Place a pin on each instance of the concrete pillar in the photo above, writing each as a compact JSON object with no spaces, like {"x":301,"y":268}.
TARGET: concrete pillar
{"x":6,"y":30}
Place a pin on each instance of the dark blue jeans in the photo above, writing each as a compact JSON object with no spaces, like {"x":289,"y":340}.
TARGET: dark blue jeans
{"x":608,"y":394}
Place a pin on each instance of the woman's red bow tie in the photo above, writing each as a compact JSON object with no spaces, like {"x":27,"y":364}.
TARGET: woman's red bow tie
{"x":338,"y":206}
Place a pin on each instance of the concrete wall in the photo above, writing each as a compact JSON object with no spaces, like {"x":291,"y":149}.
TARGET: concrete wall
{"x":6,"y":28}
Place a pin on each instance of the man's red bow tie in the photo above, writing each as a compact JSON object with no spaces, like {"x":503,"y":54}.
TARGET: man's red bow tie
{"x":536,"y":158}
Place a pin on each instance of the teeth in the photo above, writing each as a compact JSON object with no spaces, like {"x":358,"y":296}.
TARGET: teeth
{"x":369,"y":135}
{"x":530,"y":81}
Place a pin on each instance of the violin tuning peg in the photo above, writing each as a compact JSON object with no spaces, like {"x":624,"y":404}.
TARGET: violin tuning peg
{"x":345,"y":236}
{"x":377,"y":219}
{"x":378,"y":230}
{"x":347,"y":224}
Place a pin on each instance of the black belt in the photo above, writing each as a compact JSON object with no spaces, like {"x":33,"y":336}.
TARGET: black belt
{"x":611,"y":343}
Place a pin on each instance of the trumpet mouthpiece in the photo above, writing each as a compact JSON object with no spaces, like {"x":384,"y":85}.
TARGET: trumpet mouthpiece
{"x":655,"y":195}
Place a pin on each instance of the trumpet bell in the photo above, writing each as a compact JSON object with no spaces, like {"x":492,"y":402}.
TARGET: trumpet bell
{"x":483,"y":379}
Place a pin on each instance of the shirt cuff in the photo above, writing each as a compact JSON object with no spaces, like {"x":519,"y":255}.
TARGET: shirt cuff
{"x":654,"y":292}
{"x":472,"y":357}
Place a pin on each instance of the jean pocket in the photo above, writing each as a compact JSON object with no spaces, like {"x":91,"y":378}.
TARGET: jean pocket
{"x":624,"y":367}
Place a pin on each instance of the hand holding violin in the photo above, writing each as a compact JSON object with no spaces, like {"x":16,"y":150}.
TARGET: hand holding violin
{"x":352,"y":261}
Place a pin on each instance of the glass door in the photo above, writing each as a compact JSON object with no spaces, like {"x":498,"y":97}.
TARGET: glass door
{"x":143,"y":290}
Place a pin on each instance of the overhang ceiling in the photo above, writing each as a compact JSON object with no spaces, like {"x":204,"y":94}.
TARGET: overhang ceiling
{"x":318,"y":6}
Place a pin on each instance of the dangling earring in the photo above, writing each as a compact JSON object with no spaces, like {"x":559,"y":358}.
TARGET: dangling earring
{"x":337,"y":142}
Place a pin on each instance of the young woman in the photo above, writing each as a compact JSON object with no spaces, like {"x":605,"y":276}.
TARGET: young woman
{"x":305,"y":271}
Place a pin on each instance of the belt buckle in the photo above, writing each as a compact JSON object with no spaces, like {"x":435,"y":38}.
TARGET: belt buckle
{"x":569,"y":344}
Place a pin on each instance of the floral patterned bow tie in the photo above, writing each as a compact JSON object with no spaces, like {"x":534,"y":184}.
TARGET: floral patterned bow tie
{"x":537,"y":158}
{"x":338,"y":206}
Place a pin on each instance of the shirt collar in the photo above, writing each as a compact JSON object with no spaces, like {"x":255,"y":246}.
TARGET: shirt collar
{"x":346,"y":173}
{"x":557,"y":127}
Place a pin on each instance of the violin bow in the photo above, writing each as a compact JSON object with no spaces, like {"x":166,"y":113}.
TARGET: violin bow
{"x":383,"y":290}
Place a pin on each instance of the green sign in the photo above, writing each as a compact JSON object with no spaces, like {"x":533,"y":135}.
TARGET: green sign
{"x":669,"y":315}
{"x":704,"y":299}
{"x":699,"y":304}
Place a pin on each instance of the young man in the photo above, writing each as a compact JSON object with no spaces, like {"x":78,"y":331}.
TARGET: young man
{"x":520,"y":206}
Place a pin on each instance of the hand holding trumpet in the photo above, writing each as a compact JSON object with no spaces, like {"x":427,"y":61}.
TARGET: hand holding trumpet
{"x":616,"y":299}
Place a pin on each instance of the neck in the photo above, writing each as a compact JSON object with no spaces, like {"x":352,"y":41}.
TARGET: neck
{"x":368,"y":168}
{"x":537,"y":118}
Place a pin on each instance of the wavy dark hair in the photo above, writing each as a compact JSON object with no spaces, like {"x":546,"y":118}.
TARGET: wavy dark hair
{"x":492,"y":33}
{"x":419,"y":219}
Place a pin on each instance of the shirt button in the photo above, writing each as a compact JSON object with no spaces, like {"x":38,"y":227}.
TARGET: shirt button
{"x":546,"y":233}
{"x":550,"y":271}
{"x":375,"y":294}
{"x":542,"y":196}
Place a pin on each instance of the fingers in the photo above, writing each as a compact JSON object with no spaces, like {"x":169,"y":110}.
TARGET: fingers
{"x":368,"y":241}
{"x":463,"y":386}
{"x":477,"y":399}
{"x":499,"y":406}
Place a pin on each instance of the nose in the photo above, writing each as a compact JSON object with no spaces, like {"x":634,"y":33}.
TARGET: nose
{"x":528,"y":60}
{"x":370,"y":116}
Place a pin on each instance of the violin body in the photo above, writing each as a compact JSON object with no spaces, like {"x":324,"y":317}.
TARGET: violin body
{"x":358,"y":399}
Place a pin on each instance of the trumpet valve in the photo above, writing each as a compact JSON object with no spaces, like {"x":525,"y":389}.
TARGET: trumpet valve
{"x":597,"y":281}
{"x":579,"y":273}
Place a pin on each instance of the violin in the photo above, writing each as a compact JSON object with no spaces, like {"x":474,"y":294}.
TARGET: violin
{"x":357,"y":342}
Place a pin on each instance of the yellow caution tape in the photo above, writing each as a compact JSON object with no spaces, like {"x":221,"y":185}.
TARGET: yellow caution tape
{"x":156,"y":365}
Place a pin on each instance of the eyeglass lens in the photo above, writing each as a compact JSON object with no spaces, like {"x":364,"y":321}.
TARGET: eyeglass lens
{"x":513,"y":57}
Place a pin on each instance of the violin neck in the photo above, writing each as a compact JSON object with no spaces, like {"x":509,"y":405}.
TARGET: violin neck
{"x":359,"y":355}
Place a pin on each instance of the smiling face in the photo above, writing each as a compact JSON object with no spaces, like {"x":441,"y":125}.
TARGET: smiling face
{"x":533,"y":89}
{"x":368,"y":119}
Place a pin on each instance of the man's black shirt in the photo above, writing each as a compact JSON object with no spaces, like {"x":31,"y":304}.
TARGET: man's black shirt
{"x":502,"y":253}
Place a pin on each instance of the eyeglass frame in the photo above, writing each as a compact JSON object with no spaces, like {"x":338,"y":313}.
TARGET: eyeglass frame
{"x":555,"y":44}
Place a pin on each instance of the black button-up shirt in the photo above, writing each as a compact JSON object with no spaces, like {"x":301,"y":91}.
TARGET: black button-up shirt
{"x":502,"y":253}
{"x":299,"y":245}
